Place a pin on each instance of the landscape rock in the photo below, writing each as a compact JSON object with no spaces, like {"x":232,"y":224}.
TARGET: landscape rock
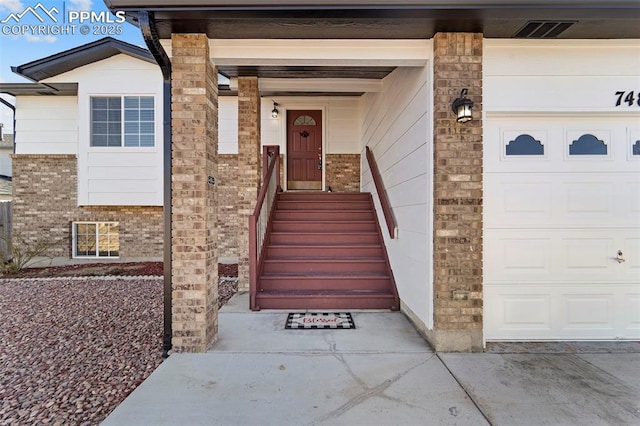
{"x":72,"y":349}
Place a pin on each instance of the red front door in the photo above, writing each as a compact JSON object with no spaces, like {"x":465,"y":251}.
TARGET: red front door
{"x":304,"y":149}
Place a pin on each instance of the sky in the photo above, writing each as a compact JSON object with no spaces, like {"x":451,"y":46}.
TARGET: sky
{"x":56,"y":25}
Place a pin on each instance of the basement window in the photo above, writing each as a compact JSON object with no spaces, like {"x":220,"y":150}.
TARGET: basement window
{"x":96,"y":240}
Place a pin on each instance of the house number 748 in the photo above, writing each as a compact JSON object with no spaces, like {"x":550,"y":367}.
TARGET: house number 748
{"x":627,"y":97}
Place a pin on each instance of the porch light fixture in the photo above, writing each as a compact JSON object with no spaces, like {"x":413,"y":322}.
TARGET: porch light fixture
{"x":462,"y":107}
{"x":274,"y":111}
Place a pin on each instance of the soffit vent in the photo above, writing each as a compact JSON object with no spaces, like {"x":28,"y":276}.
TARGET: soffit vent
{"x":543,"y":29}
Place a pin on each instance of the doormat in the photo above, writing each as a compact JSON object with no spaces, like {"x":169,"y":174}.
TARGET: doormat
{"x":320,"y":320}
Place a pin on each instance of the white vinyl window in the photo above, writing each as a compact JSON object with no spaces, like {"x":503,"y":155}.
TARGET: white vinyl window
{"x":96,"y":239}
{"x":122,"y":120}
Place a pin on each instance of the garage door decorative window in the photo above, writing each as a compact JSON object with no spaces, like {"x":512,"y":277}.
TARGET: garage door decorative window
{"x":588,"y":145}
{"x":636,"y":148}
{"x":525,"y":145}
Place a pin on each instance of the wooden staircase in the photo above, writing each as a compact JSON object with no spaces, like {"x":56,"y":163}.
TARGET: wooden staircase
{"x":325,"y":251}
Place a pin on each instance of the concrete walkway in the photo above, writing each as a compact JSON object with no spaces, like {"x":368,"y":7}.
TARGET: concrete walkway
{"x":382,"y":373}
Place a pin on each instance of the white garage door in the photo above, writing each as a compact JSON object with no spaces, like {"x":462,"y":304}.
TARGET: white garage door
{"x":561,"y":200}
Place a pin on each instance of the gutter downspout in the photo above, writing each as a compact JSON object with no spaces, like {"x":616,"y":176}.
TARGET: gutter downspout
{"x":150,"y":35}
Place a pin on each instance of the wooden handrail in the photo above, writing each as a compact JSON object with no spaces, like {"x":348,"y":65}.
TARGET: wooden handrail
{"x":382,"y":195}
{"x":271,"y":156}
{"x":267,"y":175}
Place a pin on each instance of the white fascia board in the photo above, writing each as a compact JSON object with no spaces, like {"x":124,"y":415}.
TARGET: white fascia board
{"x":337,"y":85}
{"x":298,"y":52}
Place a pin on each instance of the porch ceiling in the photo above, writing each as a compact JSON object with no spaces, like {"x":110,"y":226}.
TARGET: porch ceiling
{"x":375,"y":73}
{"x":594,"y":19}
{"x":309,"y":81}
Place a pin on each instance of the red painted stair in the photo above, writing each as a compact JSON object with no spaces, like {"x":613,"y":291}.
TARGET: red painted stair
{"x":325,"y":251}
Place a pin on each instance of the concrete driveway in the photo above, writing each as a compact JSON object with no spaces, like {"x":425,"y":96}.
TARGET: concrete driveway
{"x":552,"y":389}
{"x":382,"y":373}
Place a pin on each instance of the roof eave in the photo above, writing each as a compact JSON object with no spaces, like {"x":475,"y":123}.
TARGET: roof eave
{"x":39,"y":89}
{"x":362,"y":4}
{"x":68,"y":60}
{"x":368,"y":19}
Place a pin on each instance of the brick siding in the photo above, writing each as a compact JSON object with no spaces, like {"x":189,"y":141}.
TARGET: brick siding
{"x":249,"y":168}
{"x":457,"y":246}
{"x":343,"y":172}
{"x":227,"y":205}
{"x":194,"y":269}
{"x":45,"y":205}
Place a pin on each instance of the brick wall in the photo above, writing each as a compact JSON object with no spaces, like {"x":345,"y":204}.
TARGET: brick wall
{"x":45,"y":205}
{"x":457,"y":248}
{"x":227,"y":205}
{"x":343,"y":172}
{"x":194,"y":269}
{"x":249,"y":168}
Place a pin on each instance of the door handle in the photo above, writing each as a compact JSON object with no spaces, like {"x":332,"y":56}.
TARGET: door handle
{"x":620,"y":257}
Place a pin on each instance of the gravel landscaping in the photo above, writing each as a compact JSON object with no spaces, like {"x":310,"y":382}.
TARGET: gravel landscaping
{"x":72,"y":349}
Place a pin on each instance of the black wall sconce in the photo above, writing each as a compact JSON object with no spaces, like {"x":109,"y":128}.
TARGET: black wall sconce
{"x":462,"y":107}
{"x":274,"y":111}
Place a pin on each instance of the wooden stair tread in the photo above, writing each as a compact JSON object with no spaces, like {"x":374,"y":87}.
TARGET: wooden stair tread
{"x":324,"y":211}
{"x":324,"y":293}
{"x":356,"y":275}
{"x":318,"y":259}
{"x":302,"y":201}
{"x":343,"y":260}
{"x":326,"y":233}
{"x":329,"y":222}
{"x":321,"y":245}
{"x":295,"y":196}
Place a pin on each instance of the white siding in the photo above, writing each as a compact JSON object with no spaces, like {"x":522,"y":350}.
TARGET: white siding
{"x":46,"y":125}
{"x":396,"y":125}
{"x":117,"y":176}
{"x":227,"y":125}
{"x":341,"y":123}
{"x":343,"y":134}
{"x":559,"y":75}
{"x":273,"y":130}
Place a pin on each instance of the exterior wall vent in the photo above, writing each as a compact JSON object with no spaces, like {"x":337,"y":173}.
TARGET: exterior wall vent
{"x":543,"y":29}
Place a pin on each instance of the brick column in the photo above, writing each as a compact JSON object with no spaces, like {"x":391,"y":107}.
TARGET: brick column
{"x":194,"y":104}
{"x":249,"y":173}
{"x":457,"y":245}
